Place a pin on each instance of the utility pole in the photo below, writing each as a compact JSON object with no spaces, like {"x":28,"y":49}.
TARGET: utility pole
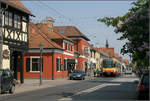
{"x":41,"y":52}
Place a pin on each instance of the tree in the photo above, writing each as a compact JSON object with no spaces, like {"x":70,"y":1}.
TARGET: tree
{"x":133,"y":26}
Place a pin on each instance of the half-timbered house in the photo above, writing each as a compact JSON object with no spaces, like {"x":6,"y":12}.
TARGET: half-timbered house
{"x":15,"y":19}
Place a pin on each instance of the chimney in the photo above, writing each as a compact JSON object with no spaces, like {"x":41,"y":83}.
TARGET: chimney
{"x":49,"y":21}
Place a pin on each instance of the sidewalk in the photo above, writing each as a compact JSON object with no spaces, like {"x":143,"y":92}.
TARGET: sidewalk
{"x":33,"y":84}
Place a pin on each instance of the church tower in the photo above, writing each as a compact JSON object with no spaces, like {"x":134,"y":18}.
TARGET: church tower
{"x":107,"y":45}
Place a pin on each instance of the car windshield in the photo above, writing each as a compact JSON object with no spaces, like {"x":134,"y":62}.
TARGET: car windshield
{"x":77,"y":71}
{"x":146,"y":80}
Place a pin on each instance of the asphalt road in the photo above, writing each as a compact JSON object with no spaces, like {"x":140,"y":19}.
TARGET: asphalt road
{"x":106,"y":88}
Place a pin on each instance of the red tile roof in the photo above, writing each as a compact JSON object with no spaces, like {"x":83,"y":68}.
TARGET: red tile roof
{"x":36,"y":37}
{"x":101,"y":52}
{"x":71,"y":31}
{"x":52,"y":34}
{"x":109,"y":51}
{"x":126,"y":61}
{"x":18,"y":5}
{"x":116,"y":55}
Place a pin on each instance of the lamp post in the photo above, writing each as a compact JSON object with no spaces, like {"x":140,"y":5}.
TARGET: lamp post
{"x":41,"y":45}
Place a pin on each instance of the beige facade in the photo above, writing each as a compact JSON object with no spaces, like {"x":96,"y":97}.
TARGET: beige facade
{"x":97,"y":58}
{"x":6,"y":57}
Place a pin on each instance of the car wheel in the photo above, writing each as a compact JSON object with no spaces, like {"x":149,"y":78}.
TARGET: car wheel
{"x":12,"y":90}
{"x":70,"y":78}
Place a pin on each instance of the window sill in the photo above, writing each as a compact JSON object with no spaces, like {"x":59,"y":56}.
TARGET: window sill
{"x":59,"y":71}
{"x":34,"y":71}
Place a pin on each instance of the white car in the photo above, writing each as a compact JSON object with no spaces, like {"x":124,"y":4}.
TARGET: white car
{"x":128,"y":71}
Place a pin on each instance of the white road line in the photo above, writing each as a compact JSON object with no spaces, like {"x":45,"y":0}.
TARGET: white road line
{"x":87,"y":91}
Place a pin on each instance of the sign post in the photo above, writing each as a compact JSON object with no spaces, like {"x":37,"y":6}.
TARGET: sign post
{"x":41,"y":52}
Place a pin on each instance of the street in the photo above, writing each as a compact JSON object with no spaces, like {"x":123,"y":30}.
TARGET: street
{"x":100,"y":88}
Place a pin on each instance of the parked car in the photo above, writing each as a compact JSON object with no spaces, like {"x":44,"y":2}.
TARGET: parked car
{"x":77,"y":74}
{"x":128,"y":71}
{"x":6,"y":81}
{"x":143,"y":87}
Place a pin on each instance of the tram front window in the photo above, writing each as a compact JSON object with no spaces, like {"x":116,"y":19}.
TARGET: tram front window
{"x":108,"y":64}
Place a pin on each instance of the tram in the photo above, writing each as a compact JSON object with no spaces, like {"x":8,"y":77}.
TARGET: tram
{"x":110,"y":67}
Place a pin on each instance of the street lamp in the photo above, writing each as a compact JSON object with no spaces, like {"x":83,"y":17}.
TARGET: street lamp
{"x":41,"y":45}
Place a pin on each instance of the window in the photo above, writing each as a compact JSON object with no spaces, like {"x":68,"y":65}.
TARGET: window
{"x":71,"y":47}
{"x":10,"y":18}
{"x":17,"y":21}
{"x":62,"y":31}
{"x":65,"y":46}
{"x":65,"y":64}
{"x":33,"y":64}
{"x":58,"y":64}
{"x":6,"y":17}
{"x":68,"y":46}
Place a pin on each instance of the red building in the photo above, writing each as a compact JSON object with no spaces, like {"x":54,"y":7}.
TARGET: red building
{"x":61,"y":54}
{"x":80,"y":44}
{"x":109,"y":51}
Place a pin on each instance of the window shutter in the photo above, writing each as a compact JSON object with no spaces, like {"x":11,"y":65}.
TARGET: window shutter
{"x":27,"y":64}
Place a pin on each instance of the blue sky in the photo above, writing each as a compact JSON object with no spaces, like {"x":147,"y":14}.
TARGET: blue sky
{"x":84,"y":15}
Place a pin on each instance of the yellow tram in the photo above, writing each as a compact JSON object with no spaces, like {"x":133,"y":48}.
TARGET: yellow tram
{"x":110,"y":67}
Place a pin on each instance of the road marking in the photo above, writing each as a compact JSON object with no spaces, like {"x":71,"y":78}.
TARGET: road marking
{"x":87,"y":91}
{"x":65,"y":99}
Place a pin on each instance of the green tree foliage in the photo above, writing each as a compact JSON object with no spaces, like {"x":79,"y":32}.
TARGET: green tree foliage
{"x":134,"y":26}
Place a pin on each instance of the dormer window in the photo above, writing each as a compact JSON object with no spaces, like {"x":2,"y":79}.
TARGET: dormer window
{"x":65,"y":46}
{"x":68,"y":46}
{"x":71,"y":47}
{"x":62,"y":31}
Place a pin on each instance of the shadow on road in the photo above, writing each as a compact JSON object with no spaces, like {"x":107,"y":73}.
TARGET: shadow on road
{"x":112,"y":91}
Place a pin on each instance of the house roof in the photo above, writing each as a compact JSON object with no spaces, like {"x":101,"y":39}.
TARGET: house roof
{"x":116,"y":55}
{"x":126,"y":61}
{"x":71,"y":31}
{"x":109,"y":51}
{"x":120,"y":58}
{"x":101,"y":52}
{"x":52,"y":34}
{"x":36,"y":37}
{"x":18,"y":5}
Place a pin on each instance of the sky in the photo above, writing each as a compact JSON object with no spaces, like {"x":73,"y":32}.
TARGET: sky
{"x":84,"y":15}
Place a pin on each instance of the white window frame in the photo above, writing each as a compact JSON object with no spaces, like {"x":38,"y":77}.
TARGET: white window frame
{"x":31,"y":63}
{"x":65,"y":64}
{"x":59,"y":64}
